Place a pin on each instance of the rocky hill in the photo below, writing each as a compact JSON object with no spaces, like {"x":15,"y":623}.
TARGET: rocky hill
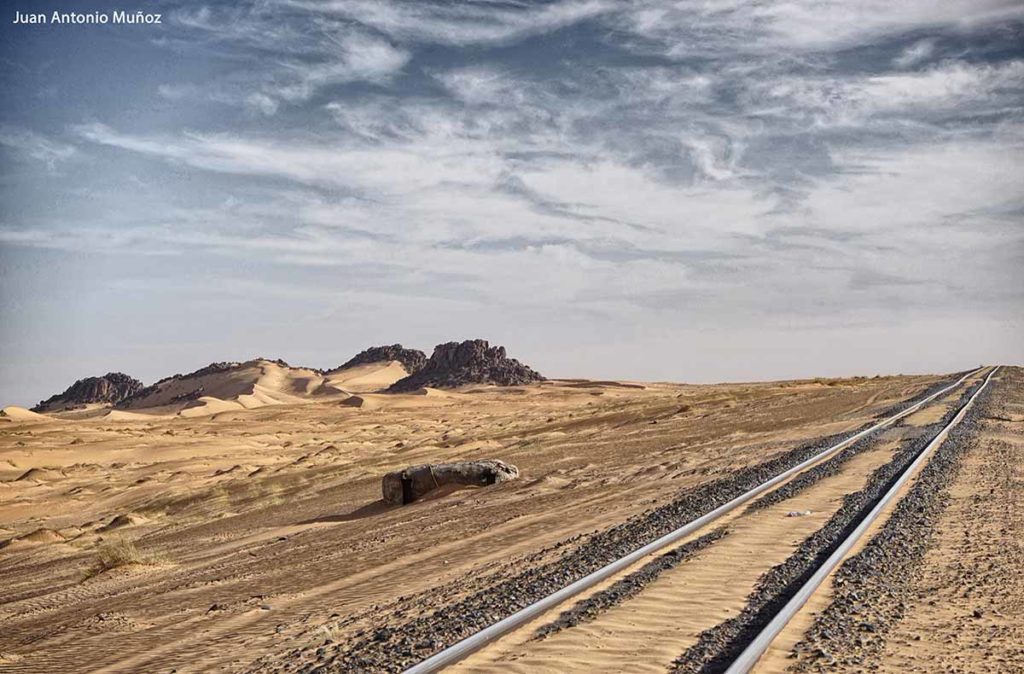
{"x":411,"y":359}
{"x":474,"y":361}
{"x":111,"y":389}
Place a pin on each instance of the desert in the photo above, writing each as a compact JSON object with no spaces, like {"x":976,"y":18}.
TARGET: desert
{"x":232,"y":519}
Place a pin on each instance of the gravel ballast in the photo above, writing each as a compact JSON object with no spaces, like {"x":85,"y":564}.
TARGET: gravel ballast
{"x":834,"y":466}
{"x":717,"y":647}
{"x":871,"y":588}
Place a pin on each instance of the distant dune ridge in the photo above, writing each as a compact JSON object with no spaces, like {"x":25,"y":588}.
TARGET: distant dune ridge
{"x":232,"y":386}
{"x":246,"y":385}
{"x":111,"y":388}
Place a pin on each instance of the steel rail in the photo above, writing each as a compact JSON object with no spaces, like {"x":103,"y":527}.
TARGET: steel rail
{"x":474,"y":642}
{"x":756,"y":648}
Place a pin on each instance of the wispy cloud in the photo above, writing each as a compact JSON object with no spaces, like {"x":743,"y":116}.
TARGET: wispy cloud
{"x":915,"y":53}
{"x":391,"y":171}
{"x":297,"y":62}
{"x":951,"y":88}
{"x":36,"y":146}
{"x":463,"y":23}
{"x":937,"y":188}
{"x":732,"y":27}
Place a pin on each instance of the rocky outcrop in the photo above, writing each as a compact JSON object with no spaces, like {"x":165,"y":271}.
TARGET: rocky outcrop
{"x":111,"y":389}
{"x":407,"y":485}
{"x":412,"y":360}
{"x":471,"y":362}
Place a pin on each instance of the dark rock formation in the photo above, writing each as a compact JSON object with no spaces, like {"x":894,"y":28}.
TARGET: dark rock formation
{"x":111,"y":388}
{"x":412,"y":360}
{"x":471,"y":362}
{"x":405,"y":486}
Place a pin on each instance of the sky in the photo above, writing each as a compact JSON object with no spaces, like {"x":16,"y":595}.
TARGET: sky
{"x":672,"y":190}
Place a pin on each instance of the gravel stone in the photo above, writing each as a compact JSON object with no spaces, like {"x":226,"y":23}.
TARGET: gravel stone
{"x":876,"y":583}
{"x":717,"y":647}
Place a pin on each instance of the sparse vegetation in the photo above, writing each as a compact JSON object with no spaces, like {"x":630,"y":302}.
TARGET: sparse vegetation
{"x":330,"y":632}
{"x":117,"y":553}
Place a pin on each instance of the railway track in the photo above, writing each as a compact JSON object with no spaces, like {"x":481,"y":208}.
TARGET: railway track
{"x":629,"y":563}
{"x":757,"y":647}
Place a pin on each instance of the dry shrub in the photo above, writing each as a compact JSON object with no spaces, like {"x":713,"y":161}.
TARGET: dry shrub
{"x":117,"y":553}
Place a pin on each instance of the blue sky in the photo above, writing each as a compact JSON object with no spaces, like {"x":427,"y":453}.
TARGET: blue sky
{"x":650,"y":190}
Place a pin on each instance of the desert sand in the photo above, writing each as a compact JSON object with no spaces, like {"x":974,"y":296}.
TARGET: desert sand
{"x":15,"y":413}
{"x":259,"y":524}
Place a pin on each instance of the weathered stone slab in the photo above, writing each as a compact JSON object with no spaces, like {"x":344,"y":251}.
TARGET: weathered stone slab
{"x":407,"y":485}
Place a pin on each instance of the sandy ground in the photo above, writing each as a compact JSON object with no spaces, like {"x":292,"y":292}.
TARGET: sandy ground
{"x":263,"y":527}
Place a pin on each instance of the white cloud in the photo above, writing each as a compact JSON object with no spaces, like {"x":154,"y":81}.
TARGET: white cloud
{"x":355,"y":57}
{"x":297,"y":56}
{"x":176,"y":92}
{"x":915,"y":53}
{"x":260,"y":101}
{"x":952,"y":87}
{"x":389,"y":171}
{"x":36,"y":146}
{"x":682,"y":217}
{"x":830,"y":23}
{"x":461,"y":23}
{"x":920,"y":190}
{"x":691,"y":28}
{"x":879,"y":236}
{"x":713,"y":157}
{"x":481,"y":85}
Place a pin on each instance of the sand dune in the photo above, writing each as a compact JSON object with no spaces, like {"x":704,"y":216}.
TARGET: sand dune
{"x":432,"y":392}
{"x":89,"y":411}
{"x":366,"y":378}
{"x":15,"y":413}
{"x":141,"y":415}
{"x":209,"y":405}
{"x":253,"y":385}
